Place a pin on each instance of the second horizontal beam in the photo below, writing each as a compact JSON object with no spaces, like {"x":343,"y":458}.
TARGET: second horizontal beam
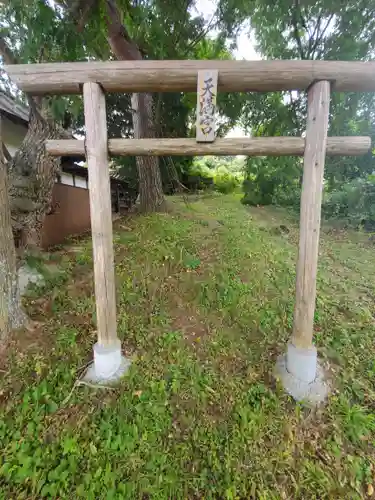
{"x":256,"y":146}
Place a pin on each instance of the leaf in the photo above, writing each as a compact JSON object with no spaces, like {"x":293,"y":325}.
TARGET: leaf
{"x":191,"y":262}
{"x":93,"y":449}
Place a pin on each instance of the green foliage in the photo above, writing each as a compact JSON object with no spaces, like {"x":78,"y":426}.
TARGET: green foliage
{"x":357,"y":423}
{"x":198,"y":177}
{"x":221,"y":173}
{"x":191,"y":262}
{"x":309,"y":30}
{"x":225,"y":182}
{"x":354,"y":203}
{"x":272,"y":180}
{"x":202,"y":168}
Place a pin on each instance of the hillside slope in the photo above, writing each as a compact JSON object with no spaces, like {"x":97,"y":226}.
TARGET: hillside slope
{"x":205,"y":305}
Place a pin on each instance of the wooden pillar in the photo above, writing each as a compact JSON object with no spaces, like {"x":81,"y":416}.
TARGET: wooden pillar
{"x":311,"y":202}
{"x":100,"y":212}
{"x":117,"y":198}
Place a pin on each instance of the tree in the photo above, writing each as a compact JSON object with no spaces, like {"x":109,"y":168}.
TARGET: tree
{"x":124,"y":48}
{"x":151,"y":29}
{"x":11,"y":314}
{"x":161,"y":30}
{"x":308,"y":30}
{"x":321,"y":30}
{"x":32,"y":172}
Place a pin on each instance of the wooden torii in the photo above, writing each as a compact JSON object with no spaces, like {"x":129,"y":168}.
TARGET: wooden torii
{"x":299,"y":370}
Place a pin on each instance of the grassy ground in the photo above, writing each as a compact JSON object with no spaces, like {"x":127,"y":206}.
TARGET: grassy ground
{"x":205,"y":305}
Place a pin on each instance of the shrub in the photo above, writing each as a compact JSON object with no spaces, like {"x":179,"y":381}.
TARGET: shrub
{"x":353,"y":203}
{"x":203,"y":175}
{"x":288,"y":196}
{"x":224,"y":182}
{"x":198,"y":177}
{"x":253,"y":195}
{"x":272,"y":181}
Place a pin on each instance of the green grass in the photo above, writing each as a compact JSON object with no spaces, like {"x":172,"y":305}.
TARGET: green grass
{"x":205,"y":305}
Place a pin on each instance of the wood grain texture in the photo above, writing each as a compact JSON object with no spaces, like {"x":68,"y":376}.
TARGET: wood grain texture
{"x":311,"y":203}
{"x":206,"y":105}
{"x":257,"y":146}
{"x":100,"y":212}
{"x":172,"y":76}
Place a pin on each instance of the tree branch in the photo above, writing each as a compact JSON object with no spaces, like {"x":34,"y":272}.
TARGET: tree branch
{"x":296,"y":34}
{"x":119,"y":39}
{"x":322,"y":33}
{"x":86,"y":7}
{"x":177,"y":39}
{"x":202,"y":34}
{"x":78,"y":10}
{"x":315,"y":33}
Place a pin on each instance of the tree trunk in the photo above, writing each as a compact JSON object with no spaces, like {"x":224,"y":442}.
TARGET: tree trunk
{"x":32,"y":174}
{"x":11,"y":314}
{"x":150,"y":185}
{"x":174,"y":185}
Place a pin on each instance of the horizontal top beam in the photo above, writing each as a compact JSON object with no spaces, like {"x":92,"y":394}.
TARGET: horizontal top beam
{"x":255,"y":146}
{"x":181,"y":76}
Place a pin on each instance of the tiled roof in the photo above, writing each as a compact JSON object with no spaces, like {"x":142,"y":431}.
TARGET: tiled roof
{"x":12,"y":107}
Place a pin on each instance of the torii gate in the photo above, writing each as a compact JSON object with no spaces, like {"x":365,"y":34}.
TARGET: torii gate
{"x":298,"y":369}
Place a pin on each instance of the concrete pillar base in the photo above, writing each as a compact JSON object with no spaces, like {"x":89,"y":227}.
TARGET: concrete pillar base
{"x":301,"y":375}
{"x":109,"y":365}
{"x":302,"y":363}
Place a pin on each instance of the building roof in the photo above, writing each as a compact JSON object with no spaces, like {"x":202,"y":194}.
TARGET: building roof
{"x":9,"y":105}
{"x":69,"y":167}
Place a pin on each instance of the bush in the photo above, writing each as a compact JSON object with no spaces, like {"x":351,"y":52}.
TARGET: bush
{"x":224,"y":182}
{"x":203,"y":175}
{"x":254,"y":194}
{"x":353,"y":203}
{"x":272,"y":181}
{"x":198,"y":177}
{"x":288,"y":196}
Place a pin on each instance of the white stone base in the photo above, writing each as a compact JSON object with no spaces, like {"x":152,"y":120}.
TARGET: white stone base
{"x":302,"y":363}
{"x":27,"y":275}
{"x":301,"y":375}
{"x":109,"y":365}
